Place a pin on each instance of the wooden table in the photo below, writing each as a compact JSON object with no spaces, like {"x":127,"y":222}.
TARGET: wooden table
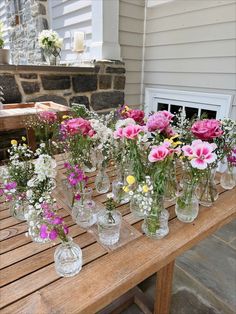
{"x":30,"y":284}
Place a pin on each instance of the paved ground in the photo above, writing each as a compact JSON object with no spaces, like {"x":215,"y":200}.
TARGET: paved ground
{"x":204,"y":278}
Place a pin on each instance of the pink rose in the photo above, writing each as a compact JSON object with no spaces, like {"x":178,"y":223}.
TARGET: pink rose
{"x":207,"y":129}
{"x":159,"y":121}
{"x":137,"y":115}
{"x":77,"y":126}
{"x":48,"y":116}
{"x":158,"y":153}
{"x":131,"y":131}
{"x":168,"y":115}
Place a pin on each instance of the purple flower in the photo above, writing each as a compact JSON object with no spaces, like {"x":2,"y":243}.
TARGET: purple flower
{"x":43,"y":231}
{"x":57,"y":221}
{"x":53,"y":234}
{"x":10,"y":185}
{"x":67,"y":165}
{"x":77,"y":197}
{"x":66,"y":229}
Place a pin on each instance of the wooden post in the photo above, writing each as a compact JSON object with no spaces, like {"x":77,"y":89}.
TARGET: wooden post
{"x":163,"y":289}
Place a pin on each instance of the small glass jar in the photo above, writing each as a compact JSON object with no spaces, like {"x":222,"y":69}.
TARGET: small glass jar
{"x":18,"y":208}
{"x":84,"y":210}
{"x":206,"y":190}
{"x":109,"y":224}
{"x":120,"y":196}
{"x":68,"y":258}
{"x":187,"y":205}
{"x":34,"y":223}
{"x":227,"y":180}
{"x":52,"y":55}
{"x":155,"y":224}
{"x":102,"y":181}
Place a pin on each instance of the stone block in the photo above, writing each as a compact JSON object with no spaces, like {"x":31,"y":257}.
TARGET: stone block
{"x":41,"y":9}
{"x":84,"y":82}
{"x":80,"y":100}
{"x":53,"y":82}
{"x":30,"y":87}
{"x":11,"y":93}
{"x":105,"y":81}
{"x":105,"y":100}
{"x":115,"y":70}
{"x":119,"y":82}
{"x":29,"y":76}
{"x":57,"y":99}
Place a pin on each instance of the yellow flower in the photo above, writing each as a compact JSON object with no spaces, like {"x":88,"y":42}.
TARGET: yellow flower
{"x":13,"y":142}
{"x":65,"y":117}
{"x":23,"y":138}
{"x":145,"y":188}
{"x":126,"y":189}
{"x":131,"y":180}
{"x":174,"y":137}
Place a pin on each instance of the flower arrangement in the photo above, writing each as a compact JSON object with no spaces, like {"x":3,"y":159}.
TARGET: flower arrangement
{"x":159,"y":123}
{"x":49,"y":39}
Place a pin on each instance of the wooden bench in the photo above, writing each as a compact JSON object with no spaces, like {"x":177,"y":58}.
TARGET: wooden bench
{"x":30,"y":284}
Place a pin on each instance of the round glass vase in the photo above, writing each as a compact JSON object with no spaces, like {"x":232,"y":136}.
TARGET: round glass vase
{"x":102,"y":181}
{"x":171,"y":184}
{"x":109,"y":224}
{"x":206,"y":190}
{"x":68,"y":258}
{"x":187,"y":205}
{"x":84,"y":209}
{"x":52,"y":55}
{"x":19,"y":208}
{"x":120,"y":196}
{"x":155,"y":224}
{"x":227,"y":180}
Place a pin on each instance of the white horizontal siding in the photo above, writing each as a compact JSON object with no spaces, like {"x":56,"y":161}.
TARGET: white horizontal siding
{"x":191,"y":45}
{"x":131,"y":27}
{"x":68,"y":16}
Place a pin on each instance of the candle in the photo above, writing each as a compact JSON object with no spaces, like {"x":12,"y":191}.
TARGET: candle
{"x":78,"y":41}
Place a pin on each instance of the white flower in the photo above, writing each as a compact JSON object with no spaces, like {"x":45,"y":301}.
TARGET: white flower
{"x":124,"y":123}
{"x":110,"y":196}
{"x":29,"y":194}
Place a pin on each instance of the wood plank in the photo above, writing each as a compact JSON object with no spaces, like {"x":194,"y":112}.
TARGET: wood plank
{"x":122,"y":270}
{"x":164,"y":289}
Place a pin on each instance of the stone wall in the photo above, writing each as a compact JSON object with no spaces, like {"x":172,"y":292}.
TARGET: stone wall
{"x":26,"y":19}
{"x":99,"y":86}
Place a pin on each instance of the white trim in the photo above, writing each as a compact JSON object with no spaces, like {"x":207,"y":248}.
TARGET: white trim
{"x":211,"y":101}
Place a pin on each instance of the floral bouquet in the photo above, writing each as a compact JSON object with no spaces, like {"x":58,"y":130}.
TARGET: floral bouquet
{"x":137,"y":115}
{"x":51,"y":44}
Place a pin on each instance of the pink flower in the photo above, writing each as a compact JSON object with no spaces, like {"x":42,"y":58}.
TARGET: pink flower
{"x":159,"y":153}
{"x":77,"y":197}
{"x":159,"y":121}
{"x":43,"y":231}
{"x":47,"y":116}
{"x":137,"y":115}
{"x":131,"y":131}
{"x":57,"y":221}
{"x":9,"y":198}
{"x":118,"y":133}
{"x":77,"y":126}
{"x":53,"y":234}
{"x":207,"y":129}
{"x":66,"y":229}
{"x":200,"y":153}
{"x":10,"y":185}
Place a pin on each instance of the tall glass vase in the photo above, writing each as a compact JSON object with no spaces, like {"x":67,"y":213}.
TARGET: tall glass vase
{"x":227,"y":180}
{"x":155,"y":224}
{"x":187,"y":205}
{"x":207,"y":191}
{"x":102,"y":181}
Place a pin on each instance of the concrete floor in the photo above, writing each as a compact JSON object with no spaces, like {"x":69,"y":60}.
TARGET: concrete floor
{"x":204,"y":278}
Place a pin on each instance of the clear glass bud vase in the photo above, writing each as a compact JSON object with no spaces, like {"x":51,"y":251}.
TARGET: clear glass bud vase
{"x":206,"y":190}
{"x":102,"y":181}
{"x":35,"y":221}
{"x":171,"y":184}
{"x":227,"y":180}
{"x":155,"y":224}
{"x":187,"y":205}
{"x":84,"y":209}
{"x":19,"y":208}
{"x":109,"y":223}
{"x":68,"y":258}
{"x":120,"y":196}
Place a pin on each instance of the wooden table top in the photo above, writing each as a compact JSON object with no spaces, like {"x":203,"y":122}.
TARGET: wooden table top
{"x":30,"y":284}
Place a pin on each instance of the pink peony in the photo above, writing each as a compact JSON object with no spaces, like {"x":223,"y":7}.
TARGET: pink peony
{"x":131,"y":131}
{"x":200,"y":153}
{"x":159,"y":153}
{"x":77,"y":126}
{"x":207,"y":129}
{"x":137,"y":115}
{"x":159,"y":121}
{"x":48,"y":116}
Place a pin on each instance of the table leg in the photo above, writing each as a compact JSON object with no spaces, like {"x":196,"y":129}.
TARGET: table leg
{"x":163,"y":289}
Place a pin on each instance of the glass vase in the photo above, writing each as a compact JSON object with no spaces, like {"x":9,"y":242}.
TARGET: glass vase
{"x":206,"y":190}
{"x":34,"y":224}
{"x":155,"y":224}
{"x":68,"y":258}
{"x":187,"y":206}
{"x":171,"y":184}
{"x":52,"y":55}
{"x":84,"y":209}
{"x":19,"y":208}
{"x":102,"y":181}
{"x":120,"y":196}
{"x":227,"y":180}
{"x":109,"y":223}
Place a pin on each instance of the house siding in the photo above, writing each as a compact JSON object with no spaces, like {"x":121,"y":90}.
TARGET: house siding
{"x":191,"y":45}
{"x":131,"y":28}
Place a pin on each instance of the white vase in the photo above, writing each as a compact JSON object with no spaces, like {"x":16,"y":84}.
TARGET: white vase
{"x":4,"y":56}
